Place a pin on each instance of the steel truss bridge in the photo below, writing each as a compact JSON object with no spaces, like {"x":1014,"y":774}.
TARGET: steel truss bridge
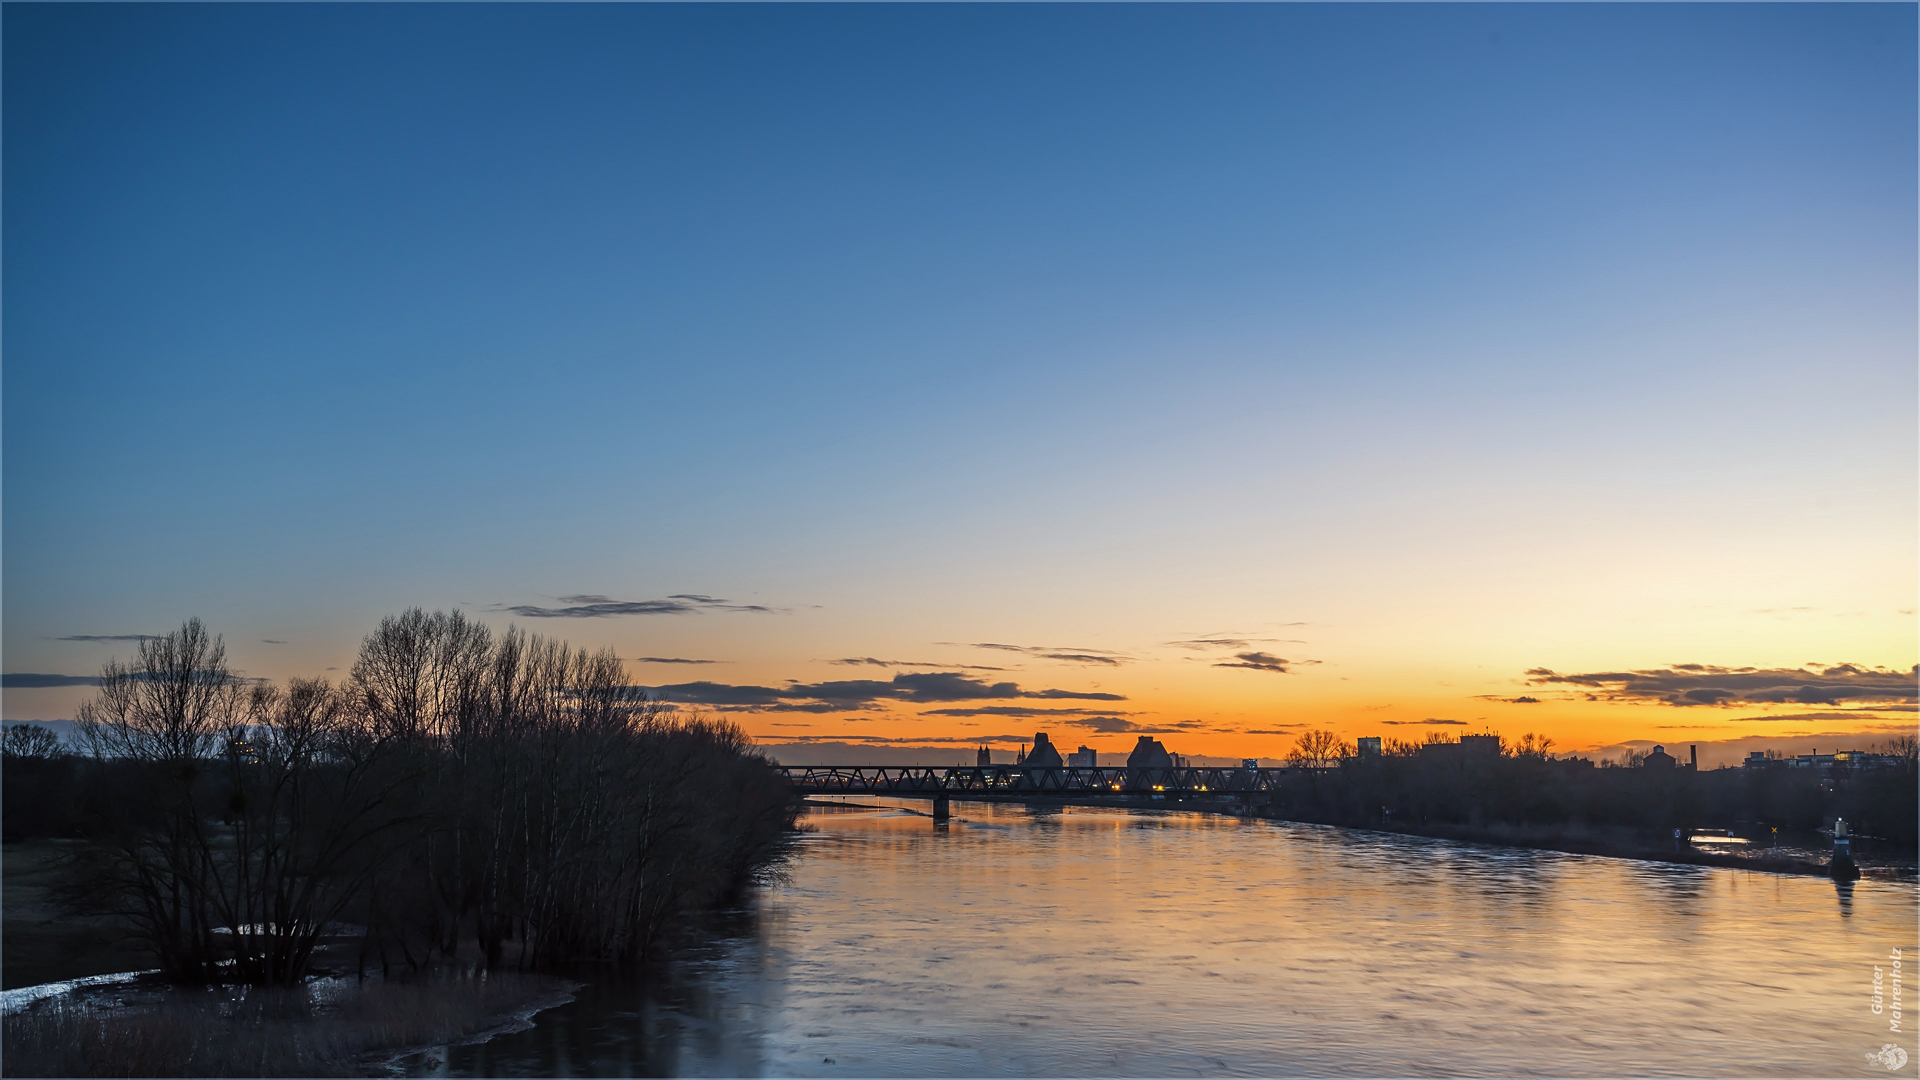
{"x":1018,"y":783}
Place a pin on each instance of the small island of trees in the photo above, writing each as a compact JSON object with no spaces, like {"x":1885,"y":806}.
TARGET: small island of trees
{"x":463,"y":801}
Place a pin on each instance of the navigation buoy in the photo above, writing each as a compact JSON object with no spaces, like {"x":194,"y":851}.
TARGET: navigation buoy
{"x":1842,"y":867}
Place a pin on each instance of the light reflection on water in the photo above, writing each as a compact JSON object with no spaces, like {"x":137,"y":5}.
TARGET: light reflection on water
{"x":1107,"y":942}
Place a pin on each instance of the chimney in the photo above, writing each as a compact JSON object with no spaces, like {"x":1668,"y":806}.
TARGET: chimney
{"x":1693,"y":755}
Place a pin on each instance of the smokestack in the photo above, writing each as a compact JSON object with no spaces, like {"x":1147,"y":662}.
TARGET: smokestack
{"x":1693,"y":752}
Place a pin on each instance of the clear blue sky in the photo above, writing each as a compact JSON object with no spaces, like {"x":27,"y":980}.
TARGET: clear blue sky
{"x":1106,"y":326}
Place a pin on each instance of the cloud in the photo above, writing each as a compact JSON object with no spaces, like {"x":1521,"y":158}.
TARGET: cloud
{"x":1212,"y":644}
{"x":907,"y":687}
{"x":868,"y":661}
{"x":888,"y":740}
{"x":1259,"y":661}
{"x":1065,"y":654}
{"x":31,"y":680}
{"x":1706,"y":684}
{"x":1431,"y":720}
{"x":1114,"y":724}
{"x":270,"y":641}
{"x":1106,"y":723}
{"x":1283,"y":729}
{"x":1073,"y":695}
{"x":1009,"y":710}
{"x":672,"y":660}
{"x":109,"y":637}
{"x":713,"y":693}
{"x":596,"y":606}
{"x":1854,"y":715}
{"x":1522,"y":700}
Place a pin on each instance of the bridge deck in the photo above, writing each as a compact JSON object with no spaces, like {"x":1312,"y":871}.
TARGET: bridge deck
{"x":929,"y":781}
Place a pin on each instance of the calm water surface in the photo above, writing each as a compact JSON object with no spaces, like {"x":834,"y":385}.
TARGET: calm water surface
{"x":1019,"y":942}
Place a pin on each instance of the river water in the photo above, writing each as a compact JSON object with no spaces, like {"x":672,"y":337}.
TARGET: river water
{"x":1097,"y":942}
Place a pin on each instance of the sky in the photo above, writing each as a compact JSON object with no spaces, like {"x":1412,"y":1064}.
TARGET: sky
{"x":892,"y":379}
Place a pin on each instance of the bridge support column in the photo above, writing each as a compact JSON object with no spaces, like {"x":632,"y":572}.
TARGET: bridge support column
{"x":940,"y":807}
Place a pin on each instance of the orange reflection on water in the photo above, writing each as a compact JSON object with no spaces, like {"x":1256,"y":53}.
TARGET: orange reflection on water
{"x":1090,"y":941}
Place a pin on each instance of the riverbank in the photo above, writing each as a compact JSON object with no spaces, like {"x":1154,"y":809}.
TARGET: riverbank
{"x":1612,"y":842}
{"x":1600,"y":842}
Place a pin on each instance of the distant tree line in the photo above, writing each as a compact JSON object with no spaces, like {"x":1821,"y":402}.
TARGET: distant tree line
{"x":1525,"y":785}
{"x":499,"y":797}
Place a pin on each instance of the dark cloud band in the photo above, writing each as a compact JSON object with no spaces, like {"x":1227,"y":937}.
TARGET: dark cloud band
{"x":31,"y":680}
{"x":1706,"y":684}
{"x":906,"y":688}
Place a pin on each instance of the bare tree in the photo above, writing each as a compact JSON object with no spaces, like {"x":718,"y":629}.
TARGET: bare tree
{"x":172,"y":704}
{"x":316,"y":799}
{"x":1905,"y":747}
{"x":1318,"y":750}
{"x":30,"y":741}
{"x":1537,"y":747}
{"x":154,"y":726}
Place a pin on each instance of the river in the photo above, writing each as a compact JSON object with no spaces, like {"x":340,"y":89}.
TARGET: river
{"x":1098,"y":942}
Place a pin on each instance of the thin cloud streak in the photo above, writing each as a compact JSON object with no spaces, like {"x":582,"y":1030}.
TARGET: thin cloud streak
{"x":868,"y":661}
{"x":597,"y":606}
{"x":1260,"y":661}
{"x":1064,"y":654}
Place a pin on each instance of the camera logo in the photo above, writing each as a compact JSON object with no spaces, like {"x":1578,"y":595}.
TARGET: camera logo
{"x":1893,"y":1057}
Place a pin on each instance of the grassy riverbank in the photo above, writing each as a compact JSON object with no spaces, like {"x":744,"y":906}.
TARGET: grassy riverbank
{"x":38,"y":942}
{"x":267,"y":1032}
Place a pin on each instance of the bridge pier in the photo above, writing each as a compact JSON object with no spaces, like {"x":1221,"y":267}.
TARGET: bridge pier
{"x":940,"y":812}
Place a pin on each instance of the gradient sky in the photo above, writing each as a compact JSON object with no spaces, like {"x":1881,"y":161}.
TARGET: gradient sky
{"x":1254,"y":368}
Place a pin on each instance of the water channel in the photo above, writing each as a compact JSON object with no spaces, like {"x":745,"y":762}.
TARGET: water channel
{"x":1098,"y":942}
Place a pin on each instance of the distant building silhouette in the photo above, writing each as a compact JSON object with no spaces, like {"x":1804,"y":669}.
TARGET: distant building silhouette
{"x":1149,"y":754}
{"x":1043,"y":755}
{"x":1659,"y":759}
{"x":1083,"y":758}
{"x":983,"y":757}
{"x":1480,"y":746}
{"x":1839,"y":759}
{"x":1367,"y":746}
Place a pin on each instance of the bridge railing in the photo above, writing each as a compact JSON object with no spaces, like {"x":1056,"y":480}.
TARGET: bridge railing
{"x":955,"y":780}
